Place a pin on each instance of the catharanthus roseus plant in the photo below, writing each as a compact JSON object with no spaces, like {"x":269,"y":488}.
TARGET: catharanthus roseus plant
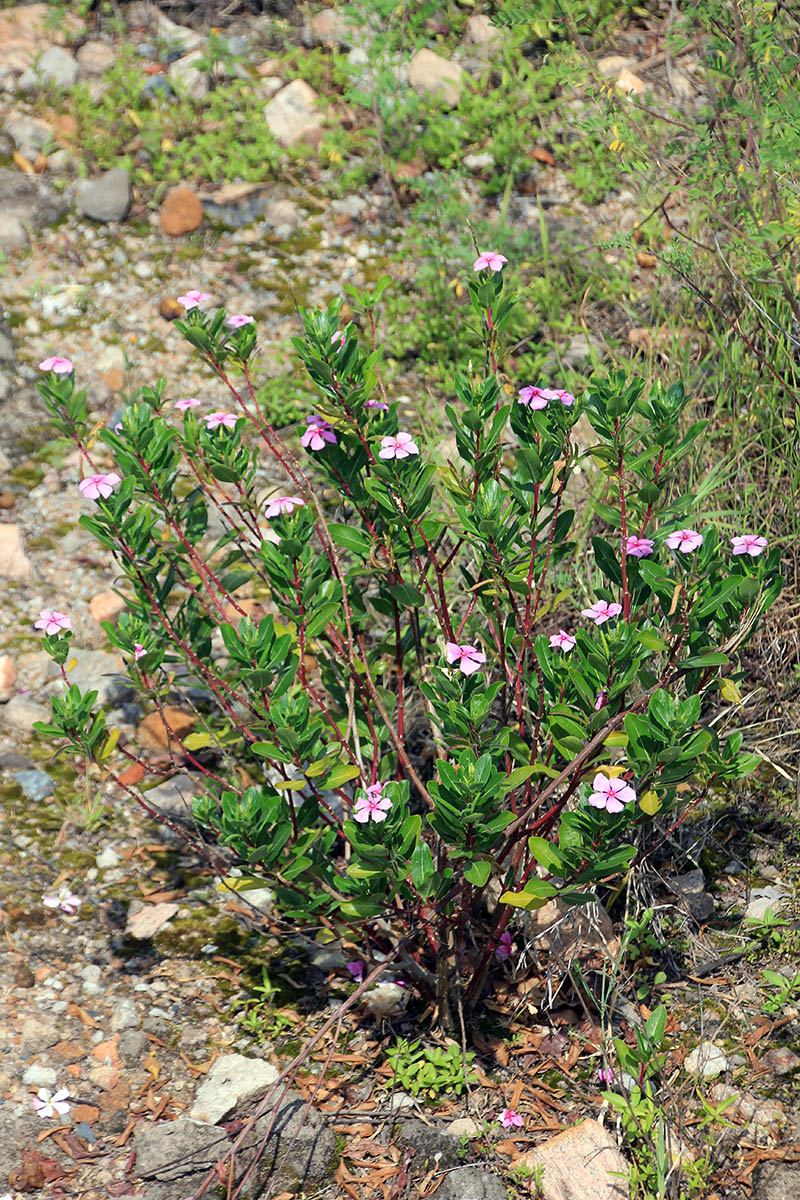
{"x":411,"y":723}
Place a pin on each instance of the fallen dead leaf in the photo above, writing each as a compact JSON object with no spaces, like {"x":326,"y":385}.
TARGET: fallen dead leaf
{"x":543,"y":156}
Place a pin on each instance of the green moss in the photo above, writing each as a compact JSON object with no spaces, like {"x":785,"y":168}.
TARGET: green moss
{"x":28,"y":476}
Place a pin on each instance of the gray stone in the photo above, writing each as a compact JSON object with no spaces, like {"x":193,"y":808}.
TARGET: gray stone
{"x":781,"y":1061}
{"x":472,"y":1183}
{"x":706,"y":1061}
{"x":176,"y":1150}
{"x":13,"y":236}
{"x":95,"y":58}
{"x":35,"y":784}
{"x":157,"y":87}
{"x":29,"y":135}
{"x":778,"y":1181}
{"x":690,"y":888}
{"x":232,"y":1080}
{"x":478,"y":162}
{"x":292,"y":115}
{"x":132,"y":1045}
{"x":283,"y":216}
{"x":464,"y":1127}
{"x":125,"y":1015}
{"x":107,"y":198}
{"x":99,"y":671}
{"x":188,"y":77}
{"x":177,"y":35}
{"x":432,"y":1147}
{"x":107,"y":859}
{"x":581,"y":349}
{"x":761,"y":900}
{"x":333,"y":29}
{"x":174,"y":798}
{"x":22,"y":713}
{"x":38,"y":1076}
{"x":54,"y":66}
{"x":39,"y":1033}
{"x":351,"y":206}
{"x":300,"y":1136}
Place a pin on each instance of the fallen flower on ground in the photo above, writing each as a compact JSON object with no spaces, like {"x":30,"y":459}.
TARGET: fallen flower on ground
{"x":66,"y":900}
{"x":49,"y":1105}
{"x":510,"y":1119}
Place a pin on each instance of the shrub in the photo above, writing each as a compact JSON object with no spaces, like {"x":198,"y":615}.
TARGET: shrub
{"x":415,"y":732}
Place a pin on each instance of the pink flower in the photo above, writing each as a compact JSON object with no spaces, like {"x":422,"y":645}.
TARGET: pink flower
{"x":401,"y":446}
{"x":503,"y":950}
{"x":510,"y":1119}
{"x":59,"y":366}
{"x":283,"y":506}
{"x":533,"y":397}
{"x":218,"y":418}
{"x":605,"y":1075}
{"x":192,"y":299}
{"x":686,"y":540}
{"x":600,"y":701}
{"x":489,"y":260}
{"x":138,"y":651}
{"x":340,"y":336}
{"x":318,"y":433}
{"x":469,"y":658}
{"x":52,"y":622}
{"x":356,"y":969}
{"x":238,"y":320}
{"x":374,"y":805}
{"x":749,"y":543}
{"x":66,"y":900}
{"x":97,"y":487}
{"x":638,"y":547}
{"x":601,"y":611}
{"x":185,"y":405}
{"x":48,"y":1105}
{"x":562,"y":641}
{"x":378,"y":404}
{"x":118,"y":427}
{"x":611,"y":794}
{"x":566,"y":398}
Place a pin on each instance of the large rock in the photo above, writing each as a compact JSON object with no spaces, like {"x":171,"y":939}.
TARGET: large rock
{"x":232,"y":1080}
{"x":174,"y":797}
{"x":14,"y":562}
{"x":292,"y":115}
{"x":429,"y":73}
{"x":579,"y":1163}
{"x":177,"y":35}
{"x":107,"y":198}
{"x":22,"y":714}
{"x":706,"y":1061}
{"x":26,"y":202}
{"x":333,"y":29}
{"x":55,"y":67}
{"x":95,"y":58}
{"x":178,"y":1149}
{"x":8,"y":677}
{"x":299,"y":1152}
{"x":29,"y":135}
{"x":472,"y":1183}
{"x":481,"y":36}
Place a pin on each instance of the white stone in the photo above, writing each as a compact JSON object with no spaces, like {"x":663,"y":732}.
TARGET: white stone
{"x":190,"y":79}
{"x":707,"y":1061}
{"x":481,"y":36}
{"x":14,"y":563}
{"x":232,"y":1080}
{"x":429,"y":73}
{"x":177,"y":35}
{"x":610,"y":66}
{"x":761,"y":900}
{"x":40,"y":1076}
{"x":292,"y":114}
{"x":107,"y":859}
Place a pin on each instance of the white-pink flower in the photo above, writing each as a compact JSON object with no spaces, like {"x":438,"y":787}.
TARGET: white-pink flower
{"x":185,"y":405}
{"x":219,"y":419}
{"x":59,"y":366}
{"x":638,"y":547}
{"x":48,"y":1105}
{"x":283,"y":506}
{"x":749,"y":543}
{"x":66,"y":900}
{"x":600,"y":701}
{"x":686,"y":540}
{"x":378,"y":404}
{"x":373,"y":805}
{"x":510,"y":1119}
{"x":562,"y":641}
{"x":532,"y":397}
{"x":601,"y":611}
{"x":340,"y":337}
{"x":138,"y":651}
{"x":193,"y":299}
{"x":318,"y":433}
{"x":401,"y":446}
{"x":238,"y":320}
{"x":490,"y":260}
{"x":610,"y":794}
{"x":469,"y":659}
{"x":98,"y":487}
{"x":52,"y":622}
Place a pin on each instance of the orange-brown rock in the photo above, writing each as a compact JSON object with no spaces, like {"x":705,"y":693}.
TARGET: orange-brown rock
{"x":153,"y":734}
{"x":170,"y":309}
{"x":181,"y":212}
{"x":107,"y":606}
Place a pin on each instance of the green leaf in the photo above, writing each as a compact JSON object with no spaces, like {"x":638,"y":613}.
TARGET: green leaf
{"x":350,"y":539}
{"x":516,"y":777}
{"x":546,"y":855}
{"x":196,"y":741}
{"x":322,"y":616}
{"x":703,"y":660}
{"x":478,"y":873}
{"x":421,"y":865}
{"x":342,"y":774}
